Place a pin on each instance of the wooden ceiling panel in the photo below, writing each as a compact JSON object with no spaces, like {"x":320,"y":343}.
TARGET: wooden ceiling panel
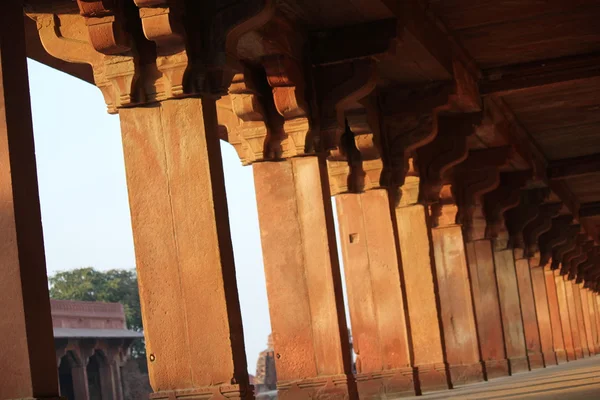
{"x":463,"y":14}
{"x":564,"y":119}
{"x":318,"y":14}
{"x":547,"y":37}
{"x":586,"y":188}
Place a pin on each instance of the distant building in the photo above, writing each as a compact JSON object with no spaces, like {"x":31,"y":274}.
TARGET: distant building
{"x":92,"y":344}
{"x":266,"y":375}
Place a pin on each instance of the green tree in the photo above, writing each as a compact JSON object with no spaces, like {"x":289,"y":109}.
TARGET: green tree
{"x":114,"y":286}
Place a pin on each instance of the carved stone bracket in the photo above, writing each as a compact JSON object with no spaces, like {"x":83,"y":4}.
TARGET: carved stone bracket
{"x":557,"y":235}
{"x":246,"y":119}
{"x":560,"y":251}
{"x":340,"y":89}
{"x":575,"y":252}
{"x":286,"y":78}
{"x":541,"y":224}
{"x":409,"y":119}
{"x":502,"y":199}
{"x":577,"y":262}
{"x":593,"y":256}
{"x":448,"y":149}
{"x":476,"y":176}
{"x":527,"y":210}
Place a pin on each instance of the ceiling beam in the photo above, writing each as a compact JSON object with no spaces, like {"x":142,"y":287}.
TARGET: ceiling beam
{"x":573,"y":167}
{"x":589,"y":209}
{"x":505,"y":80}
{"x":366,"y":40}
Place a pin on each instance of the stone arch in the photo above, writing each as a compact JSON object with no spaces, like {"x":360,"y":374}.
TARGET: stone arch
{"x":68,"y":361}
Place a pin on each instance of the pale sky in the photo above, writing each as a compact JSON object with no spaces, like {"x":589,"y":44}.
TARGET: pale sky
{"x":83,"y":194}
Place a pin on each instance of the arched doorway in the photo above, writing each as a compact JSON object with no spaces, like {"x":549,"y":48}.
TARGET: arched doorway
{"x":94,"y":377}
{"x":65,"y":376}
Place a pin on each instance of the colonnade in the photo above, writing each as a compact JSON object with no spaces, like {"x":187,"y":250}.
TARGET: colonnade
{"x":457,"y":269}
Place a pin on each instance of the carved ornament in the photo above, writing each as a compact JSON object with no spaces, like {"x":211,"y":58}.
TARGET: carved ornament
{"x":527,"y":210}
{"x":541,"y":224}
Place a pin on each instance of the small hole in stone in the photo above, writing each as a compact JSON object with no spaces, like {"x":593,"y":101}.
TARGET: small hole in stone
{"x":353,"y":238}
{"x":278,"y":356}
{"x":152,"y":357}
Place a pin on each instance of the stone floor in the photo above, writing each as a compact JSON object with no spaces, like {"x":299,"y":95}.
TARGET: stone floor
{"x":577,"y":380}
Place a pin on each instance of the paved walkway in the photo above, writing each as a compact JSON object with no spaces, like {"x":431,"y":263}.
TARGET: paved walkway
{"x":577,"y":380}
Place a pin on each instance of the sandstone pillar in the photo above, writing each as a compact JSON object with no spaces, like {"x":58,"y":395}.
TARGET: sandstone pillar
{"x":575,"y":332}
{"x":487,"y":307}
{"x":512,"y":320}
{"x":28,"y":368}
{"x":80,"y":382}
{"x":194,"y":341}
{"x":585,"y":310}
{"x":473,"y":178}
{"x":538,"y":280}
{"x":565,"y":319}
{"x":594,"y":319}
{"x":303,"y":279}
{"x":496,"y":203}
{"x":418,"y":275}
{"x":580,"y":319}
{"x":596,"y":306}
{"x":456,"y":303}
{"x":375,"y":297}
{"x":555,"y":319}
{"x":530,"y":323}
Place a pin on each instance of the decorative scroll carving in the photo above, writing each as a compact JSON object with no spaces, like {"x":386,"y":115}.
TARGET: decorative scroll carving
{"x":560,"y":251}
{"x":541,"y":224}
{"x":527,"y":210}
{"x":448,"y":149}
{"x":473,"y":178}
{"x":557,"y":235}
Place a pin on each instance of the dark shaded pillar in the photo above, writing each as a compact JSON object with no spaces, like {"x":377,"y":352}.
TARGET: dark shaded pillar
{"x":28,"y":368}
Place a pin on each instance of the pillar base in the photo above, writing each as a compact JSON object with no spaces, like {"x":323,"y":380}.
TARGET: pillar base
{"x":466,"y":374}
{"x":536,"y":360}
{"x":496,"y":368}
{"x":550,"y":358}
{"x":579,"y":353}
{"x":571,"y":356}
{"x":391,"y":383}
{"x":431,"y":377}
{"x":518,"y":365}
{"x":237,"y":392}
{"x":334,"y":387}
{"x":561,"y":356}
